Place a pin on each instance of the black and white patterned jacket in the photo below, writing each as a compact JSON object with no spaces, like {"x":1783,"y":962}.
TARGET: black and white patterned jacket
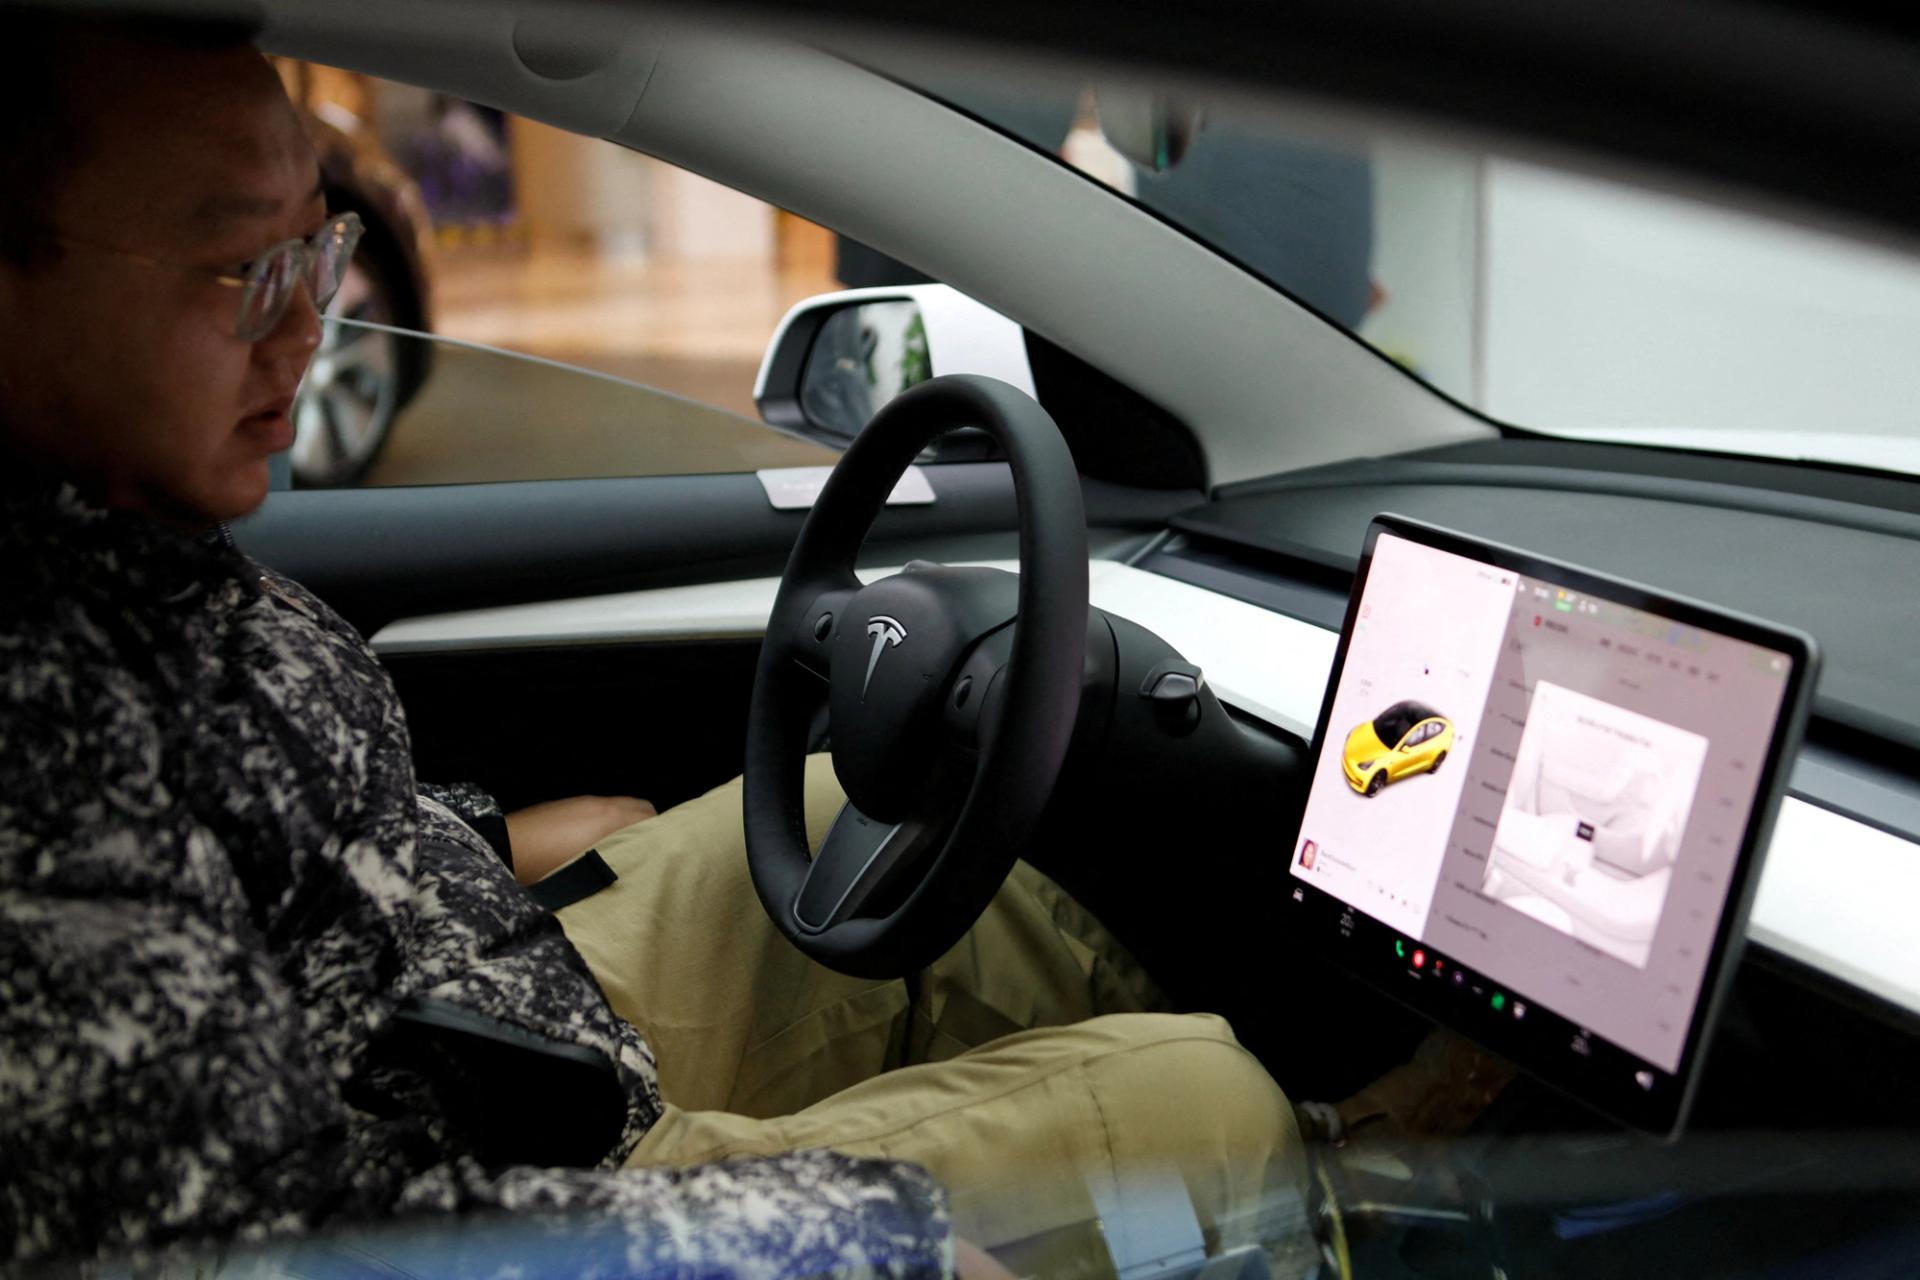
{"x":218,"y":885}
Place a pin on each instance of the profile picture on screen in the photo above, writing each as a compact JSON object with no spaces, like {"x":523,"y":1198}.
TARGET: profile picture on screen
{"x":1309,"y":852}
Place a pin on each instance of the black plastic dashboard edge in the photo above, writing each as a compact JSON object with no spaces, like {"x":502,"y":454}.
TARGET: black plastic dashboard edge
{"x":1295,"y":590}
{"x":1693,"y":492}
{"x":1836,"y":988}
{"x":1306,"y":519}
{"x":1814,"y":478}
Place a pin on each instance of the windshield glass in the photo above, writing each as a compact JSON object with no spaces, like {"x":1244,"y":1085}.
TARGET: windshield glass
{"x":1560,"y":303}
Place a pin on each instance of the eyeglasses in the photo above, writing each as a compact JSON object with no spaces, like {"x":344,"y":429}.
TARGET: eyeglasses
{"x":266,"y":283}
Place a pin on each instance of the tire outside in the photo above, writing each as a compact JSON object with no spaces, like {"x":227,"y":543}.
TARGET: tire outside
{"x":361,"y":379}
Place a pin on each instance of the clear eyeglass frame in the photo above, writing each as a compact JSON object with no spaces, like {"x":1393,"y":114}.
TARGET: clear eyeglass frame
{"x":267,"y":282}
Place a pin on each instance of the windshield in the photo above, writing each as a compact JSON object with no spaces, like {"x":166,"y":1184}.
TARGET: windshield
{"x":1559,"y":303}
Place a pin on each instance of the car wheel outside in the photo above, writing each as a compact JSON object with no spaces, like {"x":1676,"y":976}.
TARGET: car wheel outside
{"x":1437,"y":762}
{"x":1377,"y":781}
{"x":360,"y":378}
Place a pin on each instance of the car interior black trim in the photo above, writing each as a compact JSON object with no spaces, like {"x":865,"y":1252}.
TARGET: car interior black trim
{"x":1116,"y":433}
{"x":1836,"y":989}
{"x":664,"y":721}
{"x":1860,"y":485}
{"x":1666,"y":487}
{"x":1296,"y":588}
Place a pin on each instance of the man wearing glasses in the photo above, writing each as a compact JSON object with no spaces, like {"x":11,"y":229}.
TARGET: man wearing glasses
{"x":253,"y":981}
{"x":148,"y":267}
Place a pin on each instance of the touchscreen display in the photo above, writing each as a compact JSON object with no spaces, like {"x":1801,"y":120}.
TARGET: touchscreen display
{"x":1543,"y":793}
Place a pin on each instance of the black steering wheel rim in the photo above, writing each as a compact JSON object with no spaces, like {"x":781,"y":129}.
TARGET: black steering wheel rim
{"x":955,"y":859}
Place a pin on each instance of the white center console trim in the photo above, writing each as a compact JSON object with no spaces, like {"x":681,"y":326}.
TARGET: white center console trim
{"x":1833,"y":895}
{"x":704,"y":611}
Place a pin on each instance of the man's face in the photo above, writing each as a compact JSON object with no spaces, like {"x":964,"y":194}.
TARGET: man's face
{"x":128,"y":377}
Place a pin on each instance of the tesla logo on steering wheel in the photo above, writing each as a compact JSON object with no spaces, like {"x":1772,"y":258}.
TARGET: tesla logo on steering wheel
{"x":885,"y":631}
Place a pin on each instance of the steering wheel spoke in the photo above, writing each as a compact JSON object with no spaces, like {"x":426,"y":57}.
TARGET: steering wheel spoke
{"x":864,"y":861}
{"x":860,"y":858}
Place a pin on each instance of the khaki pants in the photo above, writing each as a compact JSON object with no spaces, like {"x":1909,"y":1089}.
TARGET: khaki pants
{"x":1029,"y":1068}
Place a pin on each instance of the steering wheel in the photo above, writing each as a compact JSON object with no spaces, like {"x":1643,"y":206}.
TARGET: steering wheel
{"x":951,"y":696}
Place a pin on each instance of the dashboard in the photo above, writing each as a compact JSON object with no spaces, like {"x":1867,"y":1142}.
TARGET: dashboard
{"x":1833,"y":886}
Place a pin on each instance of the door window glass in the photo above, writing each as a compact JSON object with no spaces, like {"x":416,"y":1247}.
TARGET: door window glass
{"x":492,"y":231}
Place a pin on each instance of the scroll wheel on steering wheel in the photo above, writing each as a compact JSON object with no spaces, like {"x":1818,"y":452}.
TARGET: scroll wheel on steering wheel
{"x":1173,"y":681}
{"x":1174,"y":686}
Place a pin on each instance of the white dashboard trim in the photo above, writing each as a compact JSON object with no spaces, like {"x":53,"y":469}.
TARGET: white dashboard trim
{"x":1833,"y":894}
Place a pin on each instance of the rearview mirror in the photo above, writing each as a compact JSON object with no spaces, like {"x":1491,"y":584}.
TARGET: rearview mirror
{"x":838,"y":358}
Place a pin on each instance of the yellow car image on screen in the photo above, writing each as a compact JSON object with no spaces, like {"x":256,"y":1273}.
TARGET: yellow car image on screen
{"x":1407,"y":738}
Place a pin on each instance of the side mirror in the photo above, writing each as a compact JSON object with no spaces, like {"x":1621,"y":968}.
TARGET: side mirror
{"x":838,"y":357}
{"x":1152,"y":133}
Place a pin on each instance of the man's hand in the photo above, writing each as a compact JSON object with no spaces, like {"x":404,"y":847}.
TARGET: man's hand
{"x":544,"y":836}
